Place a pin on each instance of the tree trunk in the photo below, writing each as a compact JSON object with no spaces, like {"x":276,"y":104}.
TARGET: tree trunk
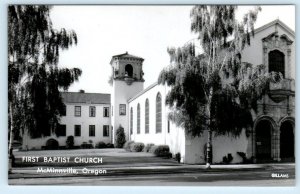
{"x":209,"y":138}
{"x":11,"y":139}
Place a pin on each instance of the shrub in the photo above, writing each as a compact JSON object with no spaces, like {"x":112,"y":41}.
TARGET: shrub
{"x":245,"y":159}
{"x":160,"y":150}
{"x":110,"y":145}
{"x":86,"y":145}
{"x":52,"y":144}
{"x":127,"y":145}
{"x":120,"y":137}
{"x":148,"y":147}
{"x":100,"y":145}
{"x":70,"y":142}
{"x":178,"y":157}
{"x":137,"y":147}
{"x":227,"y":159}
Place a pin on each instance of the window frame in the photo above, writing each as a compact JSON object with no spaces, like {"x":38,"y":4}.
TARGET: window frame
{"x":105,"y":108}
{"x":79,"y":127}
{"x":90,"y":111}
{"x":122,"y":109}
{"x":92,"y":130}
{"x":76,"y":111}
{"x":105,"y":128}
{"x":138,"y":119}
{"x":131,"y":120}
{"x":147,"y":116}
{"x":158,"y":113}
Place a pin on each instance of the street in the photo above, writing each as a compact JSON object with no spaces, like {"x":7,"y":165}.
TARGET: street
{"x":214,"y":177}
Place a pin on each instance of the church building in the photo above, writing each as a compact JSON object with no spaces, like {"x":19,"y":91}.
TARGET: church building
{"x":143,"y":114}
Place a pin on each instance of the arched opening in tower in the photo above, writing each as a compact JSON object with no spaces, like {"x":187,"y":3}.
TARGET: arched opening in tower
{"x":128,"y":70}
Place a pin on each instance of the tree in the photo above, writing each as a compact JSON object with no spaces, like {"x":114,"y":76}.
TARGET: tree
{"x":120,"y":141}
{"x":214,"y":90}
{"x":34,"y":78}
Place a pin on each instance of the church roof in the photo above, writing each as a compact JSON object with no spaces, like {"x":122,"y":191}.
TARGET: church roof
{"x":88,"y":98}
{"x":277,"y":21}
{"x":143,"y":91}
{"x":126,"y":55}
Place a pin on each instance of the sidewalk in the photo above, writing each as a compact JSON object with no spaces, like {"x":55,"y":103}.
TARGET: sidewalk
{"x":115,"y":170}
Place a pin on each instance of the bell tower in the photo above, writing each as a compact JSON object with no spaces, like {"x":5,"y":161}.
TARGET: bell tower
{"x":127,"y":81}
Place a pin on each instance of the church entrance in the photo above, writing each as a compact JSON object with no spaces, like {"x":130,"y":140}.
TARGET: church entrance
{"x":287,"y":142}
{"x":263,"y":141}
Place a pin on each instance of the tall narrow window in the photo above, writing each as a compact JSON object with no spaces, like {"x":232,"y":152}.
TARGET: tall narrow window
{"x":77,"y":112}
{"x":122,"y":109}
{"x":138,"y":124}
{"x":105,"y":130}
{"x":158,"y":113}
{"x":128,"y":70}
{"x":131,"y":120}
{"x":168,"y":126}
{"x":92,"y":111}
{"x":77,"y":130}
{"x":276,"y":61}
{"x":92,"y":130}
{"x":106,"y":112}
{"x":147,"y":116}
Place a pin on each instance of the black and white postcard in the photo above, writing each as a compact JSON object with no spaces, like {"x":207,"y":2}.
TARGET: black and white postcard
{"x":151,"y":95}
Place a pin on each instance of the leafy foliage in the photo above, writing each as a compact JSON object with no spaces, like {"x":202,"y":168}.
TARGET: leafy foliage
{"x":120,"y":141}
{"x":215,"y":90}
{"x":34,"y":78}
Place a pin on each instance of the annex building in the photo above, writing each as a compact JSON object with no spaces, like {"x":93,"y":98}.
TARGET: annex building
{"x":144,"y":116}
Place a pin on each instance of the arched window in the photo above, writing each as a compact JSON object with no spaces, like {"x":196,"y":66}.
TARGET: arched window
{"x":138,"y":119}
{"x":276,"y":61}
{"x":147,"y":116}
{"x":158,"y":113}
{"x":131,"y":120}
{"x":128,"y":70}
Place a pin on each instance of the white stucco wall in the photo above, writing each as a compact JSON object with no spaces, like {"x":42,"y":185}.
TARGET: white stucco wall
{"x":175,"y":138}
{"x":122,"y":92}
{"x":70,"y":121}
{"x":221,"y":145}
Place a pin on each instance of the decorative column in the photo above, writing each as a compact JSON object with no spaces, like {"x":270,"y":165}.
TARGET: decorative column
{"x":276,"y":144}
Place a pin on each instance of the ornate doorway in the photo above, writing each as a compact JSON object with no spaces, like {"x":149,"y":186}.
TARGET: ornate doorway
{"x":287,"y":141}
{"x":263,"y":142}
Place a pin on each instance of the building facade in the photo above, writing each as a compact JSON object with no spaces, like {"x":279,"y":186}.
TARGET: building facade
{"x":86,"y":117}
{"x":144,"y":116}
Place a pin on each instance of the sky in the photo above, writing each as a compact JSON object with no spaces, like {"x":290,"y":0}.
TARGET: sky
{"x":144,"y":31}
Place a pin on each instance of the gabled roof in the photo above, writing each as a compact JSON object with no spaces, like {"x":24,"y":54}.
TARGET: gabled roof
{"x":89,"y":98}
{"x":143,"y":91}
{"x":273,"y":23}
{"x":126,"y":55}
